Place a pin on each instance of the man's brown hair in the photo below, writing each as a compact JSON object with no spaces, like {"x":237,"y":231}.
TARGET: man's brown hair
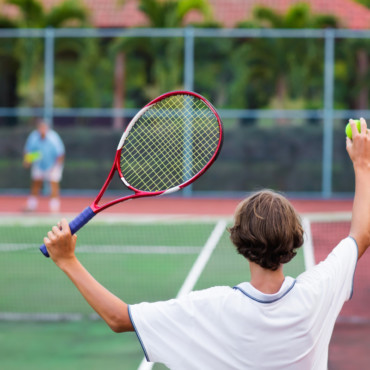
{"x":267,"y":230}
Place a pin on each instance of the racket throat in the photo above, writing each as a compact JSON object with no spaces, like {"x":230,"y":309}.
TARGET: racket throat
{"x":172,"y":190}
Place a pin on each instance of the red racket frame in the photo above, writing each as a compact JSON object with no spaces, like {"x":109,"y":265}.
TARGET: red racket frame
{"x":89,"y":212}
{"x":138,"y":193}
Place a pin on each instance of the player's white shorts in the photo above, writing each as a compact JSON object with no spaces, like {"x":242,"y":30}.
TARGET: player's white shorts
{"x":53,"y":174}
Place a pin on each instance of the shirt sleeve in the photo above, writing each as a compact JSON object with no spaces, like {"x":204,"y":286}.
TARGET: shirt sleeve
{"x":164,"y":328}
{"x":334,"y":276}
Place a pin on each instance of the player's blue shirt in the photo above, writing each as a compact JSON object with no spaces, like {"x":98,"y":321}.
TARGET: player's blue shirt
{"x":50,"y":148}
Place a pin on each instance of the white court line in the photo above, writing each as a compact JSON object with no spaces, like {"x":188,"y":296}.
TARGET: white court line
{"x":107,"y":249}
{"x":142,"y":249}
{"x":108,"y":218}
{"x":308,"y":251}
{"x":202,"y":259}
{"x":195,"y":271}
{"x":40,"y":317}
{"x":10,"y":247}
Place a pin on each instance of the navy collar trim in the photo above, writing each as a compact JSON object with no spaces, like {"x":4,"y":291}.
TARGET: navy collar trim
{"x":260,"y":297}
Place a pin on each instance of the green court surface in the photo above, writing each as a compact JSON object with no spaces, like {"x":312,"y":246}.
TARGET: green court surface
{"x":45,"y":324}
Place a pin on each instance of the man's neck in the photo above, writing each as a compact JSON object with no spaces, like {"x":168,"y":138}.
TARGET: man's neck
{"x":266,"y":281}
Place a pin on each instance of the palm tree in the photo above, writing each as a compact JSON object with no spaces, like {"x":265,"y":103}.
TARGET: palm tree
{"x":29,"y":51}
{"x":280,"y":65}
{"x":160,"y":60}
{"x":352,"y":69}
{"x":9,"y":66}
{"x":172,"y":13}
{"x":364,"y":2}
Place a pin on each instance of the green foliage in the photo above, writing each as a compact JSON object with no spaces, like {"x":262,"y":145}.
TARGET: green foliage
{"x":31,"y":12}
{"x":6,"y":22}
{"x":299,"y":15}
{"x":33,"y":15}
{"x":159,"y":61}
{"x":185,"y":6}
{"x":62,"y":14}
{"x":352,"y":80}
{"x":280,"y":72}
{"x":233,"y":73}
{"x":171,"y":13}
{"x":364,"y":2}
{"x":213,"y":69}
{"x":30,"y":84}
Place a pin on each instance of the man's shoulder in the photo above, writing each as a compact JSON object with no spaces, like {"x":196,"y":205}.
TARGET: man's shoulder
{"x":34,"y":135}
{"x":53,"y":135}
{"x":214,"y":291}
{"x":341,"y":260}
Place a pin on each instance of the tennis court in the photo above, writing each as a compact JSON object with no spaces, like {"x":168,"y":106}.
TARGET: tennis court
{"x":285,"y":77}
{"x":139,"y":257}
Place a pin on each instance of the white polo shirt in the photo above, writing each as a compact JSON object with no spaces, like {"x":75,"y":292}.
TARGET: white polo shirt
{"x":243,"y":328}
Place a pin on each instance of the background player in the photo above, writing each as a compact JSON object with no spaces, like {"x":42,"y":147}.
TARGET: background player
{"x":44,"y":152}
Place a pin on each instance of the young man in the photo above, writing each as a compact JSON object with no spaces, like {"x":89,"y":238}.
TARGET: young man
{"x":271,"y":322}
{"x":44,"y":153}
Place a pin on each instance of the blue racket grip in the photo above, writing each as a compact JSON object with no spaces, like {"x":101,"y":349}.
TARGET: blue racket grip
{"x":82,"y":219}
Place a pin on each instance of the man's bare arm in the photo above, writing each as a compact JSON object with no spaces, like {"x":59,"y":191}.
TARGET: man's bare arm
{"x":61,"y":245}
{"x":359,"y":151}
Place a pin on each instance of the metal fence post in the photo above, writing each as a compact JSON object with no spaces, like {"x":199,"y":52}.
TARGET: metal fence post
{"x":49,"y":75}
{"x":189,"y":58}
{"x":327,"y":160}
{"x":188,"y":75}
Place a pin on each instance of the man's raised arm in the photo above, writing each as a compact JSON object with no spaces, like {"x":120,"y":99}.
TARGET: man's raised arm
{"x":359,"y":151}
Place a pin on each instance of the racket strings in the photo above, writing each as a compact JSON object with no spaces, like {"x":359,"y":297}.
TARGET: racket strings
{"x":160,"y":166}
{"x":170,"y":143}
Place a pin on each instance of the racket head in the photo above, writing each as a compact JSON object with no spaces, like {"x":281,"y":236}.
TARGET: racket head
{"x":169,"y":143}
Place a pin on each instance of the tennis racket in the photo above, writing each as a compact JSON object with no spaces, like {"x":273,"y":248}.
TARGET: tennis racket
{"x":169,"y":143}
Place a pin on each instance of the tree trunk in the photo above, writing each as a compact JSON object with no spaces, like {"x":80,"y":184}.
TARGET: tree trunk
{"x":119,"y":84}
{"x":362,"y":100}
{"x":281,"y":94}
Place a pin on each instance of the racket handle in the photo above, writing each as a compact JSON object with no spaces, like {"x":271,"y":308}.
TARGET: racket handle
{"x":82,"y":219}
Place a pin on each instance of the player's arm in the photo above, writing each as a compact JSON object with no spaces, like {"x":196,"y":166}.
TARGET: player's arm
{"x":60,"y":159}
{"x":58,"y":146}
{"x":28,"y":148}
{"x":359,"y":151}
{"x":26,"y":163}
{"x":61,"y":245}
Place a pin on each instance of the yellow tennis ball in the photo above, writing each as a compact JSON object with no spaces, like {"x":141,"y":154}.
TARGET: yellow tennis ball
{"x":349,"y":130}
{"x":32,"y":157}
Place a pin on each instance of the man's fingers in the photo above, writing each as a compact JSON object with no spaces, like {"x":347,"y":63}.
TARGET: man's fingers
{"x":354,"y":127}
{"x":51,"y":235}
{"x":348,"y":142}
{"x":364,"y":130}
{"x":64,"y":225}
{"x":56,"y":230}
{"x":359,"y":128}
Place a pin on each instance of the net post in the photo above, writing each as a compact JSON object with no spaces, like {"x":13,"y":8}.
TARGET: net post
{"x":49,"y":75}
{"x":308,"y":251}
{"x":327,"y":159}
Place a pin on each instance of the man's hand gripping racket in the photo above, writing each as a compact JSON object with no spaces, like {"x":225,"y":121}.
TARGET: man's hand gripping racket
{"x":169,"y":143}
